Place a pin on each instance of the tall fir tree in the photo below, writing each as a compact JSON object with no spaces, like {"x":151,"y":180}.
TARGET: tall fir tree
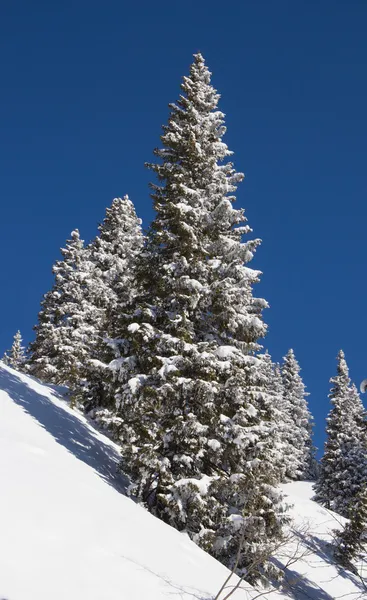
{"x":301,"y":457}
{"x":67,"y":323}
{"x":16,"y":357}
{"x":197,"y":420}
{"x":343,"y":469}
{"x":112,"y":289}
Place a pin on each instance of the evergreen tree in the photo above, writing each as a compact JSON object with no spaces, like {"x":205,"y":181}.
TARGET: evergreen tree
{"x":299,"y":436}
{"x":114,"y":254}
{"x":197,"y":420}
{"x":343,"y":469}
{"x":15,"y":357}
{"x":352,"y":540}
{"x":284,"y":425}
{"x":112,"y":289}
{"x":66,"y":330}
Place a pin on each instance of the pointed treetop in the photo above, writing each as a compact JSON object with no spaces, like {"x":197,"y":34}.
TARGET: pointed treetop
{"x":291,"y":373}
{"x":73,"y":243}
{"x":119,"y":205}
{"x":120,"y":221}
{"x":341,"y":383}
{"x":125,"y":200}
{"x":199,"y":69}
{"x":71,"y":252}
{"x":341,"y":354}
{"x":198,"y":91}
{"x":291,"y":361}
{"x":15,"y":357}
{"x":342,"y":364}
{"x":199,"y":59}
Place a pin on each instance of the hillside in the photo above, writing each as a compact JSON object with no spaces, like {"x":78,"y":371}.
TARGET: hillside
{"x":68,"y":532}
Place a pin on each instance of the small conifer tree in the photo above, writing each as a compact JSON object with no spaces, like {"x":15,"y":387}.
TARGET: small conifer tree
{"x":67,"y":323}
{"x":302,"y":455}
{"x":343,"y":468}
{"x":16,"y":357}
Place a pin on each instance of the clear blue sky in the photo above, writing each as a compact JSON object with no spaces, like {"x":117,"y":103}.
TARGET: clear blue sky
{"x":84,"y":91}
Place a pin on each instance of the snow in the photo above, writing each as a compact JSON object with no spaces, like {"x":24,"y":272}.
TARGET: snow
{"x":316,"y":575}
{"x":226,"y":352}
{"x":68,"y":530}
{"x":135,"y":383}
{"x":167,"y":369}
{"x":214,"y":444}
{"x":191,"y":284}
{"x":214,"y":263}
{"x":183,"y":207}
{"x":251,"y":411}
{"x":116,"y":363}
{"x":98,"y":363}
{"x":201,"y":484}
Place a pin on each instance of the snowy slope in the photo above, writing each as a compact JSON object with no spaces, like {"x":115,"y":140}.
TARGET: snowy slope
{"x":315,"y":575}
{"x":67,"y":531}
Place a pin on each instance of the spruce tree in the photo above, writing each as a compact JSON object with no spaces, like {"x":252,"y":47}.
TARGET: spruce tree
{"x":343,"y":469}
{"x":15,"y":357}
{"x":114,"y":254}
{"x":284,"y":425}
{"x":197,"y":420}
{"x":112,"y":289}
{"x":65,"y":333}
{"x":302,"y":462}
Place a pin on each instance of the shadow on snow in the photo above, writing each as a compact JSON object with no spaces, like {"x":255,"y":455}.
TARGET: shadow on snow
{"x":68,"y":430}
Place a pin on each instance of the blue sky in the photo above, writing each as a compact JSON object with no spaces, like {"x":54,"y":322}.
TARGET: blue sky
{"x":84,"y":91}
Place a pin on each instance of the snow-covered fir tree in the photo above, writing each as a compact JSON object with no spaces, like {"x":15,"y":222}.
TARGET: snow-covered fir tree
{"x":297,"y":437}
{"x":114,"y":254}
{"x":197,"y":418}
{"x":343,"y":469}
{"x":68,"y":321}
{"x":112,"y":289}
{"x":284,"y":424}
{"x":16,"y":357}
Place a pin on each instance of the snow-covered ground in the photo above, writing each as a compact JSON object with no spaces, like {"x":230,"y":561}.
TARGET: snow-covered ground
{"x":315,"y":575}
{"x":67,"y":532}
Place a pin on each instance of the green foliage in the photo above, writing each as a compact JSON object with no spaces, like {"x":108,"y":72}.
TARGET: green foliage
{"x":194,"y":400}
{"x":351,"y":542}
{"x":343,"y":470}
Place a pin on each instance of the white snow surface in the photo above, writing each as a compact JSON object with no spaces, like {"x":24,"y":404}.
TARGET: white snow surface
{"x":68,"y":531}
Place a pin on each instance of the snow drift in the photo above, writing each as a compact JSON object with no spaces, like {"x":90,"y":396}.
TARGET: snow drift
{"x":68,"y":532}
